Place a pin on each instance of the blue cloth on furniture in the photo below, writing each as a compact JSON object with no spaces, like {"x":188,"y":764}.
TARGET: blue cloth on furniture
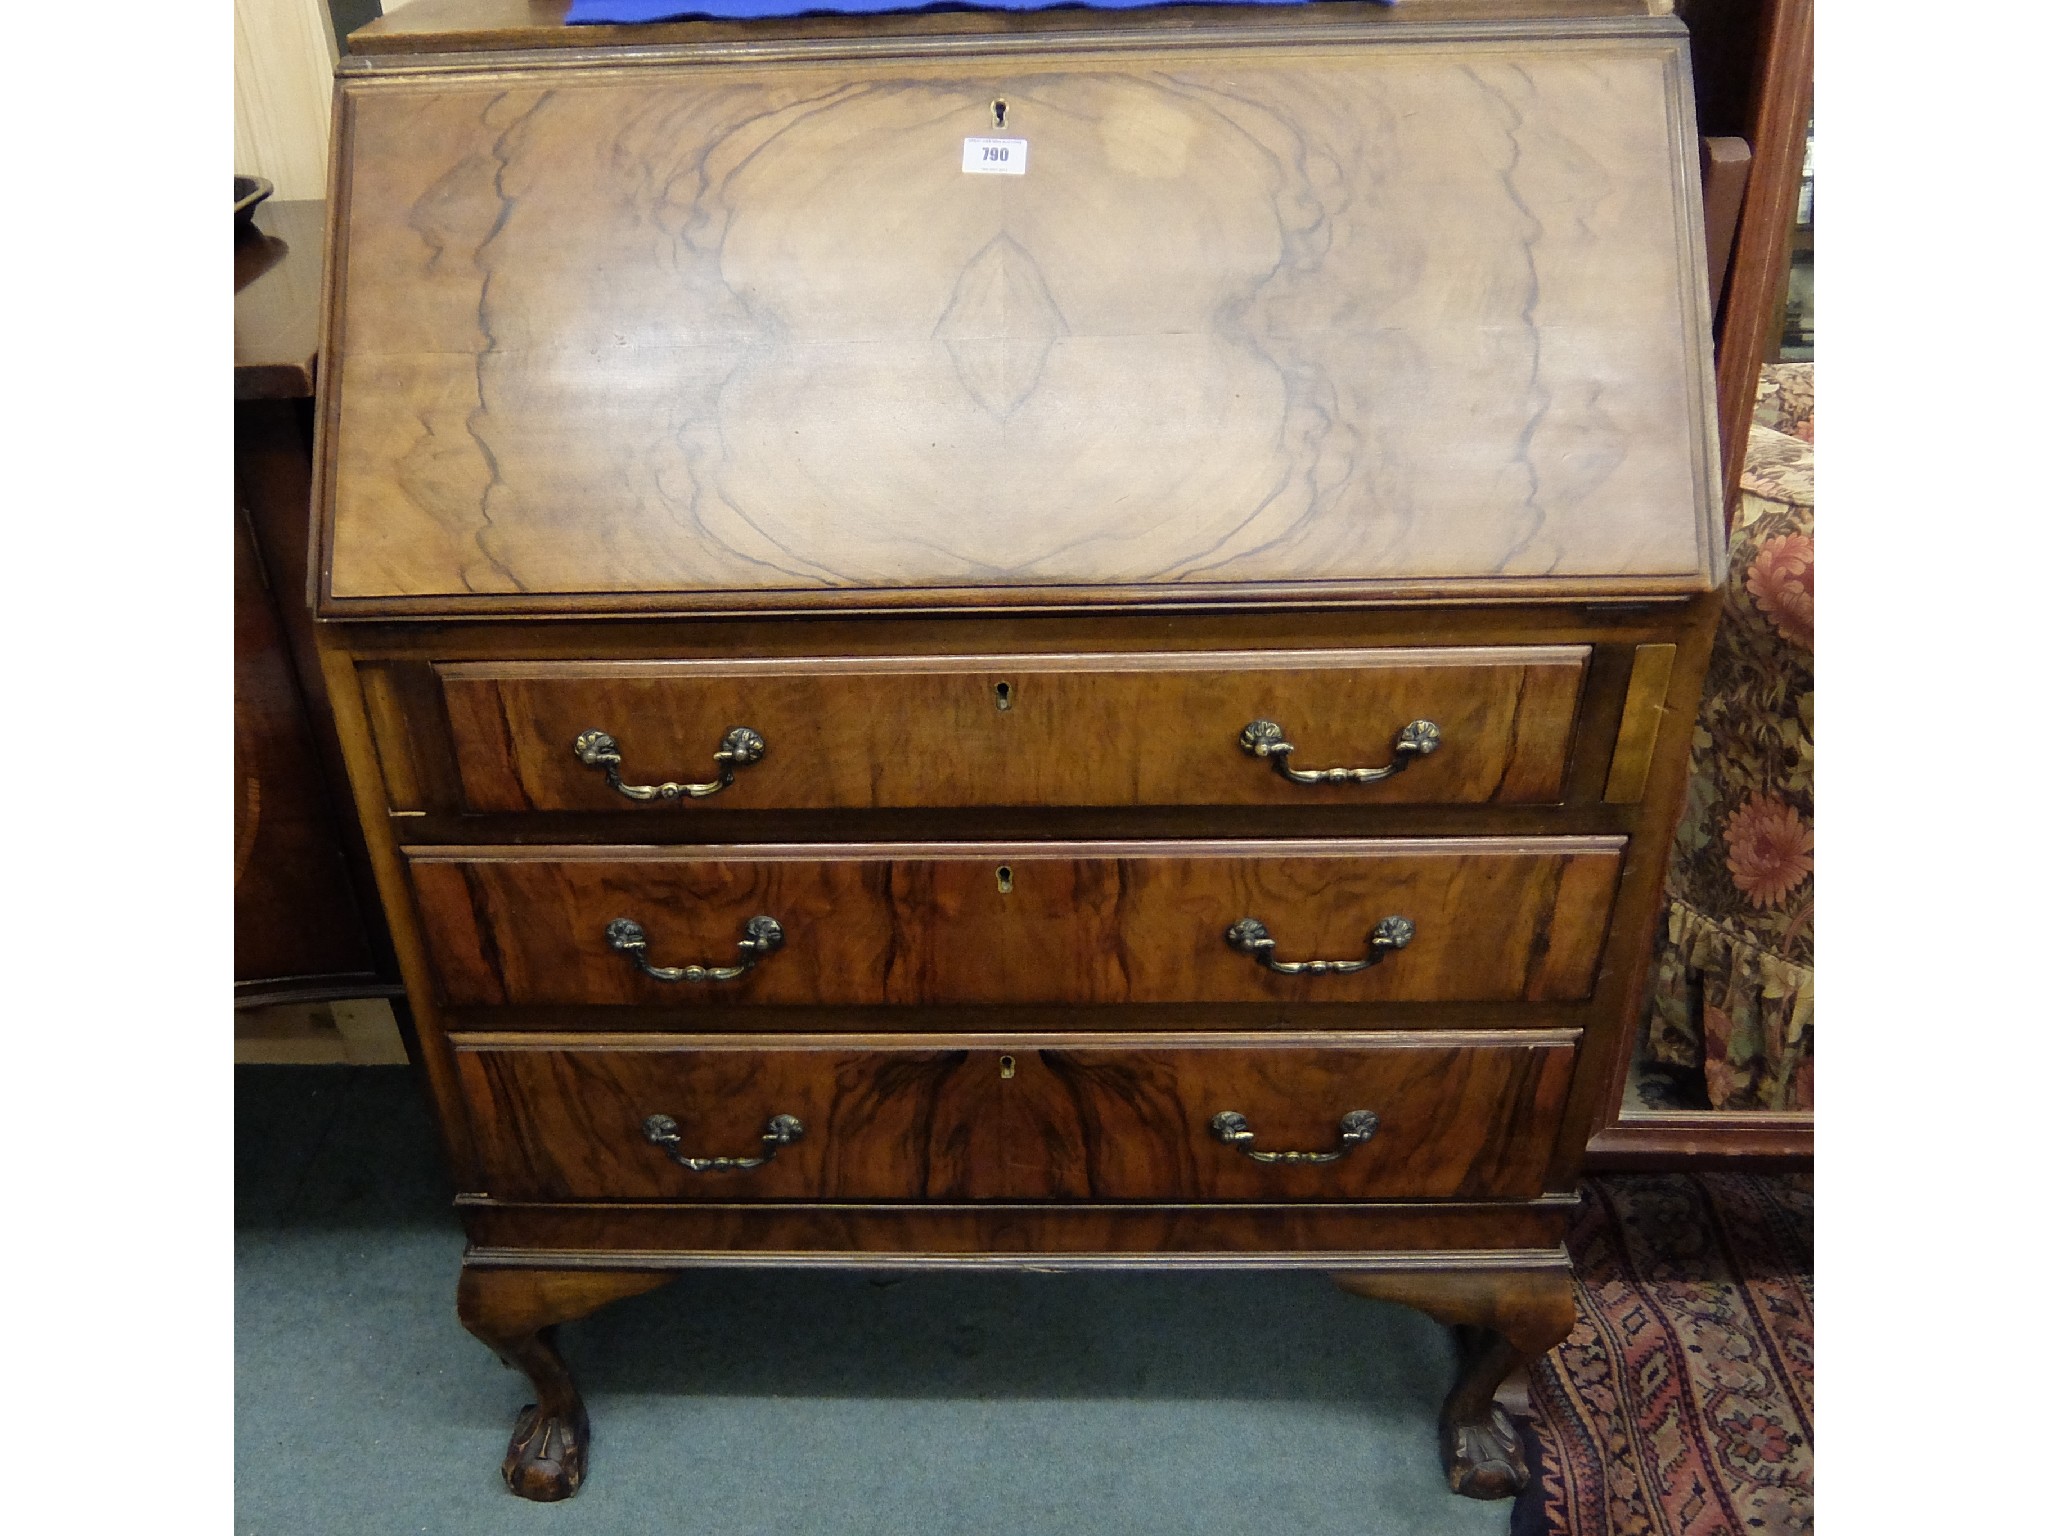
{"x":593,"y":12}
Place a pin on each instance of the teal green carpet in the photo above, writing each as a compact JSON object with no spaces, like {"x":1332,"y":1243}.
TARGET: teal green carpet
{"x":808,"y":1403}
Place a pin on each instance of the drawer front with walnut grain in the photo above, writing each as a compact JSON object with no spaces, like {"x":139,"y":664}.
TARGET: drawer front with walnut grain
{"x":1464,"y":920}
{"x":1450,"y":726}
{"x":1288,"y":1118}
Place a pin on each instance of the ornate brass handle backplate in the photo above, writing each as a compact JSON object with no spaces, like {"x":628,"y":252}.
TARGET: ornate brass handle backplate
{"x":1248,"y":936}
{"x":1265,"y":738}
{"x":736,"y":749}
{"x":763,"y":937}
{"x":1354,"y":1130}
{"x":780,"y":1131}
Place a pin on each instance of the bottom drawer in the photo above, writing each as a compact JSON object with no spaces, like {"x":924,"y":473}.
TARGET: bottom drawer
{"x":1414,"y":1116}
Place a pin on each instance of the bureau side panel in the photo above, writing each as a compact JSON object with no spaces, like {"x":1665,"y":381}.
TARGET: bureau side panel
{"x":366,"y":782}
{"x":1615,"y":1026}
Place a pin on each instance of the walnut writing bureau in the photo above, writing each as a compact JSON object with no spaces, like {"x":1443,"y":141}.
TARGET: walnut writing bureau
{"x":1099,"y":705}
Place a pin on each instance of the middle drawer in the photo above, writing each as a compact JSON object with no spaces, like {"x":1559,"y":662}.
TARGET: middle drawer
{"x":1351,"y":920}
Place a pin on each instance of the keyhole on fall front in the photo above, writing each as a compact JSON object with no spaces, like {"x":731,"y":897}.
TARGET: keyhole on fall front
{"x":1002,"y":695}
{"x":999,"y":109}
{"x":1007,"y":1065}
{"x":1003,"y":881}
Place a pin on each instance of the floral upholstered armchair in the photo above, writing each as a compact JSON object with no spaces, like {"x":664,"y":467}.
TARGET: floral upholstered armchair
{"x":1732,"y":988}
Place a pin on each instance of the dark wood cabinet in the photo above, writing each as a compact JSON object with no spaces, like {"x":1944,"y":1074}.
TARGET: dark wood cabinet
{"x":307,"y":923}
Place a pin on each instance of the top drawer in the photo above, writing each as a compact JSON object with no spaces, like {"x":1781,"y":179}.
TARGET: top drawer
{"x":1472,"y":725}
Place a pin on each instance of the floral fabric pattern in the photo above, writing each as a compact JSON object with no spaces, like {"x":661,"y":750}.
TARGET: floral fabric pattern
{"x":1777,"y":468}
{"x":1732,"y":991}
{"x":1784,"y":400}
{"x":1770,"y":850}
{"x":1781,"y":580}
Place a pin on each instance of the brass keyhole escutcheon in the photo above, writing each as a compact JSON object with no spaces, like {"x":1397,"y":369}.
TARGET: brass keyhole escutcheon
{"x":1007,"y":1065}
{"x":1004,"y":883}
{"x":1002,"y":695}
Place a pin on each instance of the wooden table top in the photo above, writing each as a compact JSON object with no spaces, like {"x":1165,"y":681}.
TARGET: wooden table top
{"x":432,"y":26}
{"x":277,"y":301}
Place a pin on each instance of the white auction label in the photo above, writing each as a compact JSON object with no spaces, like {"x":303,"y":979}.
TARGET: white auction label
{"x":994,"y":157}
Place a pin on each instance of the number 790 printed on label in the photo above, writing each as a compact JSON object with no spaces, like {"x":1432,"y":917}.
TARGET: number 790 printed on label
{"x":994,"y":157}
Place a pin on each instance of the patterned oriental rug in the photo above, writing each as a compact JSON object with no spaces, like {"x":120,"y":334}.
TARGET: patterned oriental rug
{"x":1682,"y":1404}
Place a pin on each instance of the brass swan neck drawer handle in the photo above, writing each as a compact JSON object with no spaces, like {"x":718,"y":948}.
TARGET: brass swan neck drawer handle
{"x":763,"y":937}
{"x":1248,"y":936}
{"x":736,"y":749}
{"x":1265,"y":738}
{"x":780,"y":1131}
{"x":1353,"y":1131}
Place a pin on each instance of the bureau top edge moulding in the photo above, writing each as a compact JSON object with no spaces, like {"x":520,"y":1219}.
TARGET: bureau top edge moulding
{"x":1283,"y":312}
{"x":461,"y":26}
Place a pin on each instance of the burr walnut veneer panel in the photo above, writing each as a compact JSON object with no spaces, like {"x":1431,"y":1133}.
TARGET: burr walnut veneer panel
{"x":1080,"y":923}
{"x":1350,"y":316}
{"x":1106,"y":730}
{"x":942,"y":1119}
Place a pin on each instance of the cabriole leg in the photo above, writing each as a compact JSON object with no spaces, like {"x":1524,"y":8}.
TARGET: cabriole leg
{"x":1502,"y":1319}
{"x":515,"y":1311}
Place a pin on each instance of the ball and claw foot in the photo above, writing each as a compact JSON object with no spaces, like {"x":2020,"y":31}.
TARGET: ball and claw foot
{"x":515,"y":1311}
{"x":548,"y":1454}
{"x":1485,"y":1460}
